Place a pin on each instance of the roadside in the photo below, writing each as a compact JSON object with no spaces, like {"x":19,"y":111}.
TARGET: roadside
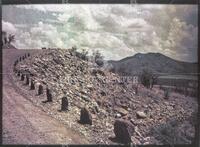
{"x":24,"y":123}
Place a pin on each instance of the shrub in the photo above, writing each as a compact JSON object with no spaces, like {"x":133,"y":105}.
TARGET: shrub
{"x":147,"y":78}
{"x":171,"y":133}
{"x":166,"y":94}
{"x":74,"y":49}
{"x":84,"y":54}
{"x":98,"y":58}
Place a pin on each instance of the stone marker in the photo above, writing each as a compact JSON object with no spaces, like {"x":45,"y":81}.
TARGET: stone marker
{"x":32,"y":86}
{"x":27,"y":80}
{"x":64,"y":105}
{"x":40,"y":89}
{"x":20,"y":58}
{"x":85,"y":117}
{"x":123,"y":130}
{"x":49,"y":95}
{"x":14,"y":69}
{"x":18,"y":73}
{"x":15,"y":63}
{"x":22,"y":77}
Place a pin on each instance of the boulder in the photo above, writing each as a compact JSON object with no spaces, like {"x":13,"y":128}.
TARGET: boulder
{"x":86,"y":117}
{"x":141,"y":114}
{"x":99,"y":62}
{"x":85,"y":97}
{"x":89,"y":86}
{"x":123,"y":130}
{"x":103,"y":93}
{"x":98,"y":71}
{"x":99,"y":102}
{"x":120,"y":110}
{"x":118,"y":115}
{"x":64,"y":105}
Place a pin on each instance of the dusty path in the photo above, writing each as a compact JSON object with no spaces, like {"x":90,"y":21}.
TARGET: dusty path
{"x":24,"y":123}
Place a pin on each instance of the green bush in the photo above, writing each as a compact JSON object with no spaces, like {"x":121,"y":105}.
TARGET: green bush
{"x":166,"y":94}
{"x":84,"y":54}
{"x":74,"y":49}
{"x":98,"y":58}
{"x":147,"y":78}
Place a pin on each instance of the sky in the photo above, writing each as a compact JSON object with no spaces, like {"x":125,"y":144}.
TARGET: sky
{"x":117,"y":31}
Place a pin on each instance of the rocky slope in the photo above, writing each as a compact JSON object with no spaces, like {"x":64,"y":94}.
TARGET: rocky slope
{"x":156,"y":120}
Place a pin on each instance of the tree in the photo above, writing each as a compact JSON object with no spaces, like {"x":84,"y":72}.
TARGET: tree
{"x":74,"y":49}
{"x":11,"y":38}
{"x":7,"y":39}
{"x":148,"y":79}
{"x":4,"y":37}
{"x":84,"y":54}
{"x":98,"y":58}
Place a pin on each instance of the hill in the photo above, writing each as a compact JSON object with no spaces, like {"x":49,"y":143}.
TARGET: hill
{"x":106,"y":98}
{"x":156,"y":62}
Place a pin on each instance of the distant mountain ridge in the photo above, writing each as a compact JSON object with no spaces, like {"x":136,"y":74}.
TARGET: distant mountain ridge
{"x":156,"y":62}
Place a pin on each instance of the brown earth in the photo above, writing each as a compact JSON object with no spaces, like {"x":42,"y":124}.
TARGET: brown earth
{"x":25,"y":123}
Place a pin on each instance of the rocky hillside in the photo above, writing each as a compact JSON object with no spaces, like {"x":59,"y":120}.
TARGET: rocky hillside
{"x":97,"y":98}
{"x":156,"y":62}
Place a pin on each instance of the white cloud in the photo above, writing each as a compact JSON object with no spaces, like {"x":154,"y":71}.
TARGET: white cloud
{"x":8,"y":27}
{"x":116,"y":30}
{"x":33,"y":7}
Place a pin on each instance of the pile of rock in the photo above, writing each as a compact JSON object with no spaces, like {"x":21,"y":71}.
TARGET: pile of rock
{"x":98,"y":94}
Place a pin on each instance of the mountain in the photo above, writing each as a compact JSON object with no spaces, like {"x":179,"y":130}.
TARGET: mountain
{"x":156,"y":62}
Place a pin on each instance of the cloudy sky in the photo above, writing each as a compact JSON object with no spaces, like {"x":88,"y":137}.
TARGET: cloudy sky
{"x":117,"y":31}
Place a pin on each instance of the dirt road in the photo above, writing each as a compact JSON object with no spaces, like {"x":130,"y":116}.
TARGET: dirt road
{"x":25,"y":123}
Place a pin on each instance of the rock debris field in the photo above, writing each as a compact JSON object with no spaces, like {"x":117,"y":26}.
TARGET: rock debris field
{"x":97,"y":104}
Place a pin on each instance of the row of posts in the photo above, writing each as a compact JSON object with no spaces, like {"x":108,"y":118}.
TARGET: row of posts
{"x":21,"y":58}
{"x":34,"y":85}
